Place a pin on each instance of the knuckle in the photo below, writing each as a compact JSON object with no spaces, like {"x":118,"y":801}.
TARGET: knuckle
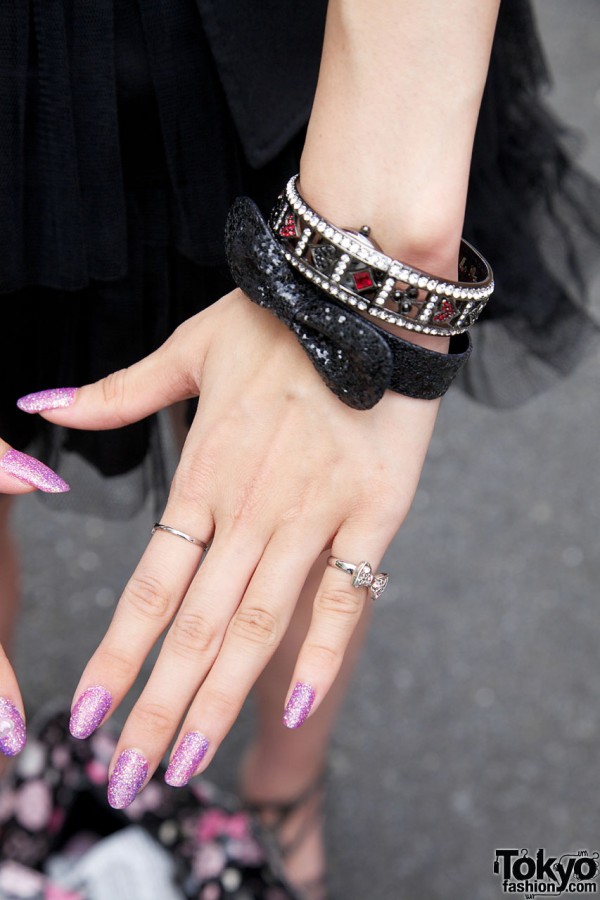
{"x":148,"y":596}
{"x":113,"y":388}
{"x":180,"y":334}
{"x":221,"y":706}
{"x":192,"y":633}
{"x":192,"y":482}
{"x":340,"y":601}
{"x":256,"y":625}
{"x":324,"y":655}
{"x":153,"y":718}
{"x":118,"y":663}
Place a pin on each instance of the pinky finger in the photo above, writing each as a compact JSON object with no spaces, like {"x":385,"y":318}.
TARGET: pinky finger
{"x":12,"y":720}
{"x":337,"y":610}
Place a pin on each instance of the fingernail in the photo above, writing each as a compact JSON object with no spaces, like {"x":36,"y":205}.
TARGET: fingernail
{"x":32,"y":471}
{"x":127,"y":778}
{"x":12,"y":728}
{"x":89,"y":710}
{"x":186,"y":759}
{"x":53,"y":398}
{"x":299,"y":705}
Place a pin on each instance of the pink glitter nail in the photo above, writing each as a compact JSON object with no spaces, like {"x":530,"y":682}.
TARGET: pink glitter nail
{"x":186,"y":759}
{"x":32,"y":471}
{"x":127,"y":778}
{"x":12,"y":728}
{"x":299,"y":705}
{"x":89,"y":711}
{"x":53,"y":398}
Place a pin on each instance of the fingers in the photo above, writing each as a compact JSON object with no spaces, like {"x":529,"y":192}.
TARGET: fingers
{"x":252,"y":637}
{"x":211,"y":657}
{"x":12,"y":716}
{"x":216,"y":649}
{"x":188,"y":652}
{"x":164,"y":377}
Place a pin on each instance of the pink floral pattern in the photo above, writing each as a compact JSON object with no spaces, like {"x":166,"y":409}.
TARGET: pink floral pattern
{"x":213,"y":841}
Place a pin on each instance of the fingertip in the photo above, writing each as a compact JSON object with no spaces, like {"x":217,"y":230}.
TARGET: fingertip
{"x":186,"y":759}
{"x":30,"y":471}
{"x":128,"y":777}
{"x":49,"y":399}
{"x":89,"y":711}
{"x":299,"y":705}
{"x":13,"y":733}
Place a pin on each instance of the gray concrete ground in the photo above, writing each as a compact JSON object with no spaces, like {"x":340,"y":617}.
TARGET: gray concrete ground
{"x":473,"y":722}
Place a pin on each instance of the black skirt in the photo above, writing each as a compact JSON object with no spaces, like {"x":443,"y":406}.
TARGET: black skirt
{"x":119,"y":159}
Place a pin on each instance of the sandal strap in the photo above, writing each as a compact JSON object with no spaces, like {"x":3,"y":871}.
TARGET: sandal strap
{"x":303,"y":830}
{"x":283,"y":809}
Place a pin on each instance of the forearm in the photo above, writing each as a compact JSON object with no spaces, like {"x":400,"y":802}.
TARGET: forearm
{"x":391,"y":132}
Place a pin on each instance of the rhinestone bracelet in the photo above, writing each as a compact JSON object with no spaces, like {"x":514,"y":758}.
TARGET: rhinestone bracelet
{"x":347,"y":264}
{"x":356,"y":358}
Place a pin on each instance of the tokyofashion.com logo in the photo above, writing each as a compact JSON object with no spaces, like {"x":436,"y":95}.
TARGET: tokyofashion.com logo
{"x":540,"y":874}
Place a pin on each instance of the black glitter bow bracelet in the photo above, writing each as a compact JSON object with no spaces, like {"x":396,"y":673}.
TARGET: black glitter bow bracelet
{"x":357,"y":360}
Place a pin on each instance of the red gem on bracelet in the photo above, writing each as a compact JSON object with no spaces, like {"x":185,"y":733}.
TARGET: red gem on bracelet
{"x":288,"y":229}
{"x":446,"y":312}
{"x":363,"y":280}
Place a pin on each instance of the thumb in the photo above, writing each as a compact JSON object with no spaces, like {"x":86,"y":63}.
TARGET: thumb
{"x":125,"y":396}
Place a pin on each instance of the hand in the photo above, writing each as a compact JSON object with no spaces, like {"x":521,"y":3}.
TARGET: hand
{"x":274,"y":470}
{"x":19,"y":474}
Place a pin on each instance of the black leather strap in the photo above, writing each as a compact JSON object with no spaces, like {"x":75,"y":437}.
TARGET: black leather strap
{"x":356,"y":359}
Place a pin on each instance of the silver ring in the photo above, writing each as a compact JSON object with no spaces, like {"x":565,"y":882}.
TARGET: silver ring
{"x":362,"y":575}
{"x":158,"y":526}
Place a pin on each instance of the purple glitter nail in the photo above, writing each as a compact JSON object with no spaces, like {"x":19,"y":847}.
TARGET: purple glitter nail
{"x":53,"y":398}
{"x":91,"y":707}
{"x":127,"y":778}
{"x":12,"y":728}
{"x":32,"y":471}
{"x":186,"y":759}
{"x":299,"y":705}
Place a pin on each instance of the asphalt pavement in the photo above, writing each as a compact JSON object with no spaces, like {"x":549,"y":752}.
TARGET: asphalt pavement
{"x":473,"y":722}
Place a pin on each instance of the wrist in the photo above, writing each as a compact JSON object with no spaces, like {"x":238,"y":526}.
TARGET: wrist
{"x":425,"y":235}
{"x":391,"y":130}
{"x":426,"y":240}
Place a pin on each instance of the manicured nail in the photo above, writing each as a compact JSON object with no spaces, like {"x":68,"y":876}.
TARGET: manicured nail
{"x":186,"y":759}
{"x":127,"y":778}
{"x":12,"y":728}
{"x":53,"y":398}
{"x":299,"y":705}
{"x":89,"y":710}
{"x":32,"y":471}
